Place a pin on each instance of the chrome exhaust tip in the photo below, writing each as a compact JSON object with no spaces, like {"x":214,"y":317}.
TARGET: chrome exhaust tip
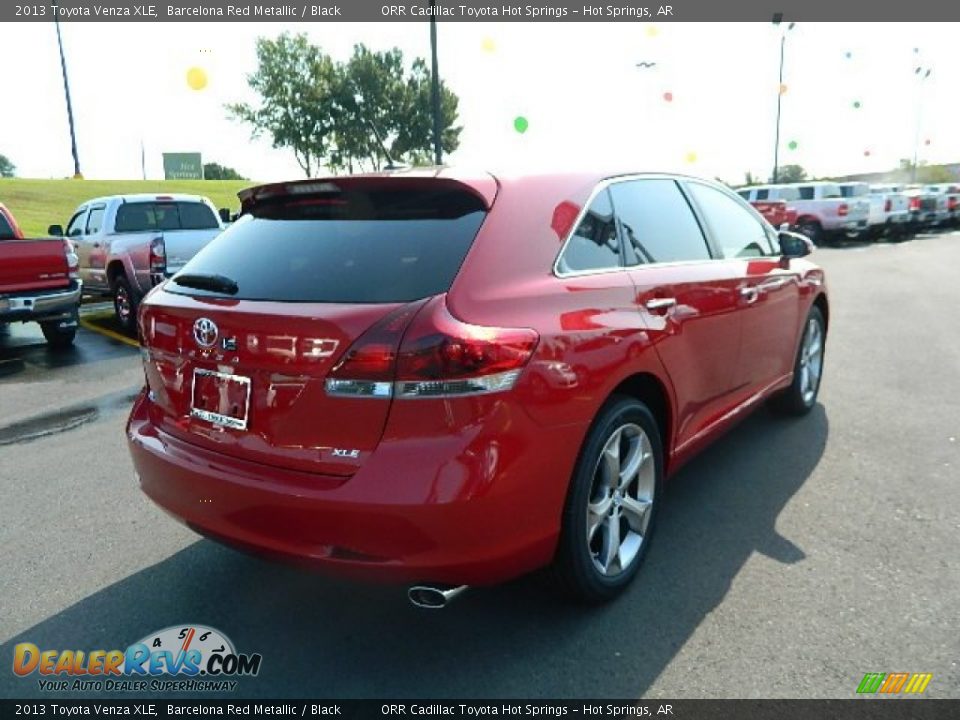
{"x":433,"y":598}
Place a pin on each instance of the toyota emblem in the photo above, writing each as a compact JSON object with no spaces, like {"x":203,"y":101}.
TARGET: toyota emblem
{"x":205,"y":332}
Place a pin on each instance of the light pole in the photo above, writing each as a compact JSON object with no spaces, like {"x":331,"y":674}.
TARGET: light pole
{"x":921,"y":73}
{"x":435,"y":86}
{"x":777,"y":20}
{"x":66,"y":92}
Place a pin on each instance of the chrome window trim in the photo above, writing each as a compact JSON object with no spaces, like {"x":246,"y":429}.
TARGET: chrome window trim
{"x":604,"y":185}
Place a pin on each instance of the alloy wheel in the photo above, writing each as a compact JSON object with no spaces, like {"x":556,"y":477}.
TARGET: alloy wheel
{"x":811,"y":360}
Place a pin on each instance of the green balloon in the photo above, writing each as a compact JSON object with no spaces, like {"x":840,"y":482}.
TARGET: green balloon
{"x":792,"y":144}
{"x":520,"y":124}
{"x":856,"y":104}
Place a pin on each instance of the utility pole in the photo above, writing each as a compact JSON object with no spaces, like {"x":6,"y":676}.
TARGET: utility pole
{"x":777,"y":19}
{"x":435,"y":86}
{"x":66,"y":92}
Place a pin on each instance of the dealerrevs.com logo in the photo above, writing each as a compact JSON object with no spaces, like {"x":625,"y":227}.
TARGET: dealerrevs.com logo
{"x":181,"y":658}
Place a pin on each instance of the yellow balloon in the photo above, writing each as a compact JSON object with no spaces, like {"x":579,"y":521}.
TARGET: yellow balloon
{"x":783,"y":89}
{"x":691,"y":157}
{"x":488,"y":45}
{"x":196,"y":78}
{"x":652,"y":31}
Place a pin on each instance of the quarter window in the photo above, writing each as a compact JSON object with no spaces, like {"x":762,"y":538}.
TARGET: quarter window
{"x":594,"y":244}
{"x":657,"y":222}
{"x":738,"y":233}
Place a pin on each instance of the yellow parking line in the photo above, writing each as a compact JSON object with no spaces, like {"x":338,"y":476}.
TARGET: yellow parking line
{"x":85,"y":323}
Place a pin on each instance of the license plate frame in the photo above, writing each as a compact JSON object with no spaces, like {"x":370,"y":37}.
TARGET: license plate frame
{"x":220,"y":418}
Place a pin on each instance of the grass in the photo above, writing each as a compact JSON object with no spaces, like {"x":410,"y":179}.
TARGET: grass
{"x":37,"y":204}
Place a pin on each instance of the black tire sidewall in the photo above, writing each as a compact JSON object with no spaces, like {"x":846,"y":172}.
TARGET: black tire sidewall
{"x":131,"y":324}
{"x":575,"y":565}
{"x":791,"y":400}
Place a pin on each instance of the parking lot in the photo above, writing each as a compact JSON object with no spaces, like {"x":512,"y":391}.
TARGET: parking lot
{"x":791,"y":558}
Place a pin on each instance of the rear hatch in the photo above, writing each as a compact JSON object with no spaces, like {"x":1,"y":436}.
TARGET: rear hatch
{"x":32,"y":265}
{"x":238,"y":346}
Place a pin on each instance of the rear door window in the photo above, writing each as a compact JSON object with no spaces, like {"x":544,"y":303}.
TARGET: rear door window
{"x":159,"y":216}
{"x":594,"y":244}
{"x":94,"y":220}
{"x":376,"y":246}
{"x":657,"y":223}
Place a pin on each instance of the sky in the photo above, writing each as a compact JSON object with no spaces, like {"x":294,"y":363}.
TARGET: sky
{"x":578,"y":85}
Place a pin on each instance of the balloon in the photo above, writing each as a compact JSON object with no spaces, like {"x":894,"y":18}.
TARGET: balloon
{"x":488,"y":45}
{"x":793,"y":145}
{"x":652,"y":31}
{"x":866,"y":153}
{"x":196,"y":78}
{"x":856,"y":104}
{"x":691,"y":157}
{"x":848,"y":55}
{"x":520,"y":124}
{"x":927,"y":141}
{"x":668,"y":96}
{"x":783,"y":89}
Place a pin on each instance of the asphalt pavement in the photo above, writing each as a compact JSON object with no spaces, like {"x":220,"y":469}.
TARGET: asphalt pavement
{"x":792,"y":557}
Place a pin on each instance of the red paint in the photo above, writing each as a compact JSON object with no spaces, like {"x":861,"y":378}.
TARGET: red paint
{"x":461,"y":490}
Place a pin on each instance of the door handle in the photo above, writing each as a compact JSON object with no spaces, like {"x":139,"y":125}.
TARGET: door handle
{"x":660,"y":305}
{"x":772,"y":284}
{"x":750,"y":293}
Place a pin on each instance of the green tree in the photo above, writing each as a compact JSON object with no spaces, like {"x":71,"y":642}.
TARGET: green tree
{"x":7,"y":168}
{"x":215,"y":171}
{"x":295,"y":81}
{"x":790,"y":174}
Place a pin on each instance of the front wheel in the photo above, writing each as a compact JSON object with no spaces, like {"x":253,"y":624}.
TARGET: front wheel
{"x":812,"y":230}
{"x":801,"y":396}
{"x":612,"y":503}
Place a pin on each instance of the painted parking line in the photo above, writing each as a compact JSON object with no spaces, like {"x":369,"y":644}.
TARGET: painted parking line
{"x":88,"y":321}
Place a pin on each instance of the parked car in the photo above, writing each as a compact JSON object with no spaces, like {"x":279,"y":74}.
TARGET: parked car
{"x":928,"y":209}
{"x":776,"y":212}
{"x":38,"y":282}
{"x":894,"y":205}
{"x":823,"y":214}
{"x":949,"y":195}
{"x":127,"y":244}
{"x":371,"y":375}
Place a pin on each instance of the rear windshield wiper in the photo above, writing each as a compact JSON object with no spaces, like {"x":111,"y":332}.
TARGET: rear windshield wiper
{"x":202,"y":281}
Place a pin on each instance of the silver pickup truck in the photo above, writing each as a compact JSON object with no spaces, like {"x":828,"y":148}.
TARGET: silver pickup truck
{"x":129,"y":243}
{"x":823,"y":214}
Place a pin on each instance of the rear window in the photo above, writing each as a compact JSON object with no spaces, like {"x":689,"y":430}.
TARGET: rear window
{"x":6,"y":232}
{"x":159,"y":216}
{"x":344,"y":247}
{"x":788,"y":193}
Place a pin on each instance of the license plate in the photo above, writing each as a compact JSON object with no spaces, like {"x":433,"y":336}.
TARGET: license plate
{"x":220,"y":398}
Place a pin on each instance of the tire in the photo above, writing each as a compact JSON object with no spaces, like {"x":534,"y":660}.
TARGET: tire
{"x":813,"y":231}
{"x":801,"y":396}
{"x":625,"y":426}
{"x":125,"y":304}
{"x":57,"y":337}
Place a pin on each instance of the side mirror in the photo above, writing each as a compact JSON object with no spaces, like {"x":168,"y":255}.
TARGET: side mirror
{"x":794,"y":245}
{"x":224,"y":214}
{"x":55,"y":230}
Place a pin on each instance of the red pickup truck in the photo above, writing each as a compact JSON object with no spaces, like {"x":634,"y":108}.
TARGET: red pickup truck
{"x":39,"y":282}
{"x":777,"y":212}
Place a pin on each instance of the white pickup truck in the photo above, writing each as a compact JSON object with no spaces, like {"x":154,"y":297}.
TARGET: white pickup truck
{"x":823,"y":214}
{"x":129,"y":243}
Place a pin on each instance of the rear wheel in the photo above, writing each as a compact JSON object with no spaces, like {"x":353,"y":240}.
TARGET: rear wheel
{"x":611,"y":506}
{"x":812,"y":230}
{"x":125,"y":304}
{"x":60,"y":334}
{"x":801,"y":396}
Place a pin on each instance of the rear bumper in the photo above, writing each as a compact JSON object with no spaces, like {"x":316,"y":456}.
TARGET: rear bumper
{"x":40,"y":305}
{"x":430,"y":510}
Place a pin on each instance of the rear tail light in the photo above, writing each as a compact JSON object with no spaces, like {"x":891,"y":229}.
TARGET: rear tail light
{"x":158,"y":259}
{"x":439,"y":356}
{"x":73,"y":262}
{"x":914,"y":203}
{"x":951,"y":203}
{"x":888,"y":205}
{"x":843,"y":209}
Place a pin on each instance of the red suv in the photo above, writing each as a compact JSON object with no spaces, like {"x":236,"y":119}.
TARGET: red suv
{"x":450,"y":379}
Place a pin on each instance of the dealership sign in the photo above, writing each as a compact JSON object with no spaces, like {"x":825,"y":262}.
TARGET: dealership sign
{"x":182,"y":166}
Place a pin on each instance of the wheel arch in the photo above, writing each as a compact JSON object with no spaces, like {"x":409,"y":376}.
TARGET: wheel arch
{"x":821,"y":302}
{"x":652,"y":392}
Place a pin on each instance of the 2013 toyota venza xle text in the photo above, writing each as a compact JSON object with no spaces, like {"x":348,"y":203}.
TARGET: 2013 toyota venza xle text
{"x":447,"y":379}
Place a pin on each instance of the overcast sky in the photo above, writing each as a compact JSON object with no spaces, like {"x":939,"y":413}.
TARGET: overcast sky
{"x":577,"y":84}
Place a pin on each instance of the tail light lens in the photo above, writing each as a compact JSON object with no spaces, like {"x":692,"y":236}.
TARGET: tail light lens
{"x":951,"y":203}
{"x":439,"y":356}
{"x":158,"y":257}
{"x":843,"y":209}
{"x":73,"y":262}
{"x":914,"y":203}
{"x":887,"y":205}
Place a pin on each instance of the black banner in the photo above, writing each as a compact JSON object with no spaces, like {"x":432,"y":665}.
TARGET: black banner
{"x":453,"y":11}
{"x":860,"y":709}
